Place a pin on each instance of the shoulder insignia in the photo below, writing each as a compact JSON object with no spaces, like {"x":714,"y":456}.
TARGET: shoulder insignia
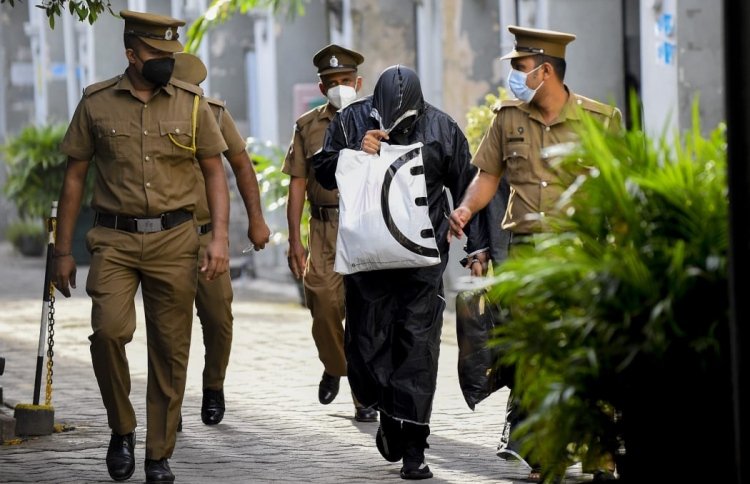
{"x":506,"y":103}
{"x":187,"y":86}
{"x":216,"y":102}
{"x":595,"y":106}
{"x":99,"y":86}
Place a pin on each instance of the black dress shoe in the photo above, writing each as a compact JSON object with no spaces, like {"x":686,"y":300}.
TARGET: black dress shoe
{"x":212,"y":410}
{"x":363,"y":414}
{"x":328,"y":388}
{"x":158,"y":471}
{"x":120,"y":457}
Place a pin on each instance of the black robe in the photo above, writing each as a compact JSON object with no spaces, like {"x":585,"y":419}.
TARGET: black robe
{"x":394,"y":317}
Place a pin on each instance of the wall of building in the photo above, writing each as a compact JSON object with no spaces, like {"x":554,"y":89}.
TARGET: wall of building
{"x":595,"y":58}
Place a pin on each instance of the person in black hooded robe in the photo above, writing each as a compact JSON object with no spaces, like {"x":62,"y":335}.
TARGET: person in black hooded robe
{"x":394,"y":317}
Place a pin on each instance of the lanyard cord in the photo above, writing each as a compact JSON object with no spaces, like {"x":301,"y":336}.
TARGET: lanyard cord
{"x":191,"y":148}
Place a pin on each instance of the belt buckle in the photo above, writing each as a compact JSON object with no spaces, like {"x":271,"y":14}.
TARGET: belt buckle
{"x":148,"y":225}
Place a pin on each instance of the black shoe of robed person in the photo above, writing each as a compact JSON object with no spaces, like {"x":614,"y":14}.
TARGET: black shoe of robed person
{"x":212,"y":410}
{"x":158,"y":471}
{"x":120,"y":456}
{"x":415,"y":467}
{"x":365,"y":414}
{"x":328,"y":388}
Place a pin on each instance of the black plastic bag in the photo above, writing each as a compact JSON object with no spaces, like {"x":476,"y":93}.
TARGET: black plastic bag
{"x":478,"y":372}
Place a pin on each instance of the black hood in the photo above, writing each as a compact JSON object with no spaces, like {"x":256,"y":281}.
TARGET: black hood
{"x":397,"y":91}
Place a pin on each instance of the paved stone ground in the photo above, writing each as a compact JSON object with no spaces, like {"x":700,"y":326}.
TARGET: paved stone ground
{"x":274,"y":429}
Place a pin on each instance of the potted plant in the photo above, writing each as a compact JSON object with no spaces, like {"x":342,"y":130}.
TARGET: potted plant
{"x":28,"y":237}
{"x":620,"y":315}
{"x":35,"y":171}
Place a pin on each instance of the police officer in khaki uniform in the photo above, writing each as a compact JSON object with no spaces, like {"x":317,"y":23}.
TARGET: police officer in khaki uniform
{"x":324,"y":288}
{"x":214,"y":298}
{"x":517,"y":144}
{"x":144,"y":132}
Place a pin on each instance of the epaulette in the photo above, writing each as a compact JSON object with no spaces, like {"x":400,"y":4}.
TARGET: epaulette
{"x":309,"y":116}
{"x":506,"y":103}
{"x":216,"y":102}
{"x":99,"y":86}
{"x":595,"y":106}
{"x":187,"y":86}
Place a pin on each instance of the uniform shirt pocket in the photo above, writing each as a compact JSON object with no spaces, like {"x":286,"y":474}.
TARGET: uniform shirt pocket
{"x":516,"y":158}
{"x":112,"y":139}
{"x":176,"y":133}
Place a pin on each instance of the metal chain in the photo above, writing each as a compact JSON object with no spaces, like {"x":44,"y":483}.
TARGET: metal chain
{"x":50,"y":343}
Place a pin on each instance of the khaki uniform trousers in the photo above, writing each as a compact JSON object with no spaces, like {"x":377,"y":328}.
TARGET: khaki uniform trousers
{"x":164,"y":264}
{"x":213,"y":299}
{"x":324,"y":296}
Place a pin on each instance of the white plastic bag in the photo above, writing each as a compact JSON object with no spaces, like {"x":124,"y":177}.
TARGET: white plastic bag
{"x":384,"y":220}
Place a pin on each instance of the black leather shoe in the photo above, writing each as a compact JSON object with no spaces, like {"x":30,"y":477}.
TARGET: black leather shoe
{"x":212,"y":410}
{"x":328,"y":388}
{"x":362,"y":414}
{"x":120,"y":457}
{"x":158,"y":471}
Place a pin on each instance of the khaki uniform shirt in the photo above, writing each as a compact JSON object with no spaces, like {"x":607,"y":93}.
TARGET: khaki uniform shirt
{"x":235,"y":143}
{"x":140,"y":171}
{"x":517,"y":145}
{"x":309,"y":132}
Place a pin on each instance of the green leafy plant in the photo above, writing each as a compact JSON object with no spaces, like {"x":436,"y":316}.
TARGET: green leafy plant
{"x":88,"y":10}
{"x":619,"y":312}
{"x":479,"y":118}
{"x":222,"y":10}
{"x":35,"y":168}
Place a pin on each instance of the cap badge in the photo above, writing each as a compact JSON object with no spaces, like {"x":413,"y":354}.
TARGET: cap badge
{"x":520,"y":130}
{"x":168,"y":34}
{"x":334,"y":62}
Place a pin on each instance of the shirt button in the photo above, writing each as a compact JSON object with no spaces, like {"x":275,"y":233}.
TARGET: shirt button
{"x":147,"y":158}
{"x":145,"y":106}
{"x":114,"y":131}
{"x":148,"y":184}
{"x":177,"y":130}
{"x":515,"y":154}
{"x":546,"y":128}
{"x":544,"y":184}
{"x":145,"y":132}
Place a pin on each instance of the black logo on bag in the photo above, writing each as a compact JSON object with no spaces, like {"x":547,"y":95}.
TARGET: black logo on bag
{"x":402,"y":239}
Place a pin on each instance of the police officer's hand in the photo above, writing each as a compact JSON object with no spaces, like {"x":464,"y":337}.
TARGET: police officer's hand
{"x":64,"y":273}
{"x":479,"y":263}
{"x":458,"y":219}
{"x":216,"y":259}
{"x":259,"y":234}
{"x":296,"y":258}
{"x":371,"y":141}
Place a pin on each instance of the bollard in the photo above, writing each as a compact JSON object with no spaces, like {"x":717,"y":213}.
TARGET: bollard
{"x":34,"y":420}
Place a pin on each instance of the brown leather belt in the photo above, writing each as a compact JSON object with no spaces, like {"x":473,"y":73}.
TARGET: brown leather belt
{"x":326,"y":213}
{"x":126,"y":223}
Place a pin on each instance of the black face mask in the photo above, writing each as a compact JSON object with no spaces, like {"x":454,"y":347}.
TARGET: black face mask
{"x":158,"y":71}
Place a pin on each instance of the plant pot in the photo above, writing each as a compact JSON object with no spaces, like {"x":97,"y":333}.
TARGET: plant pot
{"x":31,"y":245}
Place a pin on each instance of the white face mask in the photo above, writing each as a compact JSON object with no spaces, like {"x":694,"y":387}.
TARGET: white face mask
{"x":341,"y":96}
{"x":517,"y":84}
